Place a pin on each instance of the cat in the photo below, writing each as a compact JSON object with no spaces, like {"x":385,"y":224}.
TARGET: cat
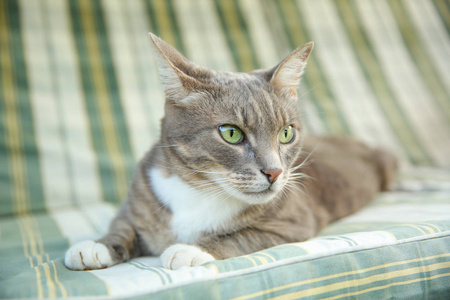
{"x":232,"y":173}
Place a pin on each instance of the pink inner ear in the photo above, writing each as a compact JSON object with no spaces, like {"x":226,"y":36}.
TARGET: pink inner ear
{"x":289,"y":71}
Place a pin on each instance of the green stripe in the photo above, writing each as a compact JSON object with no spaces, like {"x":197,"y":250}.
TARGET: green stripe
{"x":176,"y":27}
{"x":32,"y":171}
{"x":23,"y":158}
{"x":62,"y":131}
{"x":120,"y":126}
{"x":72,"y":283}
{"x":88,"y":90}
{"x":6,"y":179}
{"x":237,"y":35}
{"x":42,"y":241}
{"x":233,"y":48}
{"x":296,"y":31}
{"x":44,"y":223}
{"x":244,"y":28}
{"x":421,"y":58}
{"x":399,"y":231}
{"x":151,"y":17}
{"x":33,"y":239}
{"x":443,"y":8}
{"x":110,"y":140}
{"x":163,"y":22}
{"x":143,"y":84}
{"x":15,"y":249}
{"x":58,"y":287}
{"x":165,"y":279}
{"x":385,"y":98}
{"x":38,"y":224}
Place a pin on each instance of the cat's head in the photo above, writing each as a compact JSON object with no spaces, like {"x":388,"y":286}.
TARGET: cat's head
{"x":238,"y":134}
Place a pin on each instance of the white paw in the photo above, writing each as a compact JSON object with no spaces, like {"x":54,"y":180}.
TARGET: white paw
{"x":88,"y":255}
{"x":180,"y":255}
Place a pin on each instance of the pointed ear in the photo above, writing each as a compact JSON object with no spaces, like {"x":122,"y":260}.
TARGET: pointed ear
{"x":287,"y":73}
{"x":176,"y":72}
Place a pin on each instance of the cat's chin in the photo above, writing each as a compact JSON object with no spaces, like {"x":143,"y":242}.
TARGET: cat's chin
{"x":255,"y":198}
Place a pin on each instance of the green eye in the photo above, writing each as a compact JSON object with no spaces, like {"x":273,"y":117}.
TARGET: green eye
{"x":232,"y":134}
{"x":287,"y":134}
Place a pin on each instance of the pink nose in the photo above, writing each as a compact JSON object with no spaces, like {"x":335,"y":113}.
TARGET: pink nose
{"x":272,"y":175}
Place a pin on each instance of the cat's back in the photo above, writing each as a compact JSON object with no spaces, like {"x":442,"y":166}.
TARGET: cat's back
{"x":344,"y":174}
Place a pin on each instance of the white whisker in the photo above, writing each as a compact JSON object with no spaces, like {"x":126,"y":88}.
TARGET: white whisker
{"x":166,"y":146}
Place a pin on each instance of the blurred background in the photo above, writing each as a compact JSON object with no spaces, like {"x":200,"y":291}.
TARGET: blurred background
{"x":81,"y":102}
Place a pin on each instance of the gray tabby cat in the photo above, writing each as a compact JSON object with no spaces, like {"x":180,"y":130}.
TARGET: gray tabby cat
{"x":232,"y":173}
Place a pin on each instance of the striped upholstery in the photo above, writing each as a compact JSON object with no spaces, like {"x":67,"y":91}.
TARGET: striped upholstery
{"x":80,"y":103}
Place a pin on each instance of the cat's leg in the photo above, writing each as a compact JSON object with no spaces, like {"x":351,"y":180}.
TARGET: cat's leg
{"x":221,"y":247}
{"x":117,"y":246}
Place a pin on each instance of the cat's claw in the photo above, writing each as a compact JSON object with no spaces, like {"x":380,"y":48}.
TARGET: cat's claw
{"x":88,"y":255}
{"x":181,"y":255}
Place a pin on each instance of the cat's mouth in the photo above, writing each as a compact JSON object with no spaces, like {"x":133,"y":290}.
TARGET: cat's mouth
{"x":257,"y":196}
{"x":251,"y":191}
{"x":267,"y":191}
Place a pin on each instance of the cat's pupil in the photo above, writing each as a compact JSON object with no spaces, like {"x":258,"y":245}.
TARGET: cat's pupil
{"x":231,"y":132}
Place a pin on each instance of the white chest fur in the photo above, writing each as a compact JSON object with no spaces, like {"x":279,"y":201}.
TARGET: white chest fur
{"x":193,"y":211}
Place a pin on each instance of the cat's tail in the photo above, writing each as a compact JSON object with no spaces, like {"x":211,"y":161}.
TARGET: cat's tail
{"x":387,"y":165}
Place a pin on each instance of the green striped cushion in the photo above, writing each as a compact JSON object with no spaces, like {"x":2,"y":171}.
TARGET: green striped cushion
{"x":363,"y":255}
{"x":80,"y":103}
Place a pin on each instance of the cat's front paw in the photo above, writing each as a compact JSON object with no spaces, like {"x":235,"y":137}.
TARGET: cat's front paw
{"x":181,"y":255}
{"x":88,"y":255}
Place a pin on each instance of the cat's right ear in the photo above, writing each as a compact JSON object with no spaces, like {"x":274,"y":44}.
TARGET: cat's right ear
{"x":286,"y":75}
{"x":176,"y":73}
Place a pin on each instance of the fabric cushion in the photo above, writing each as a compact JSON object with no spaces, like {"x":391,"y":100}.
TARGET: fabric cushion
{"x":397,"y":246}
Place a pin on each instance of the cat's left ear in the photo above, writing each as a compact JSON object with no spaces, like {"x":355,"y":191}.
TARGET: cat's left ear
{"x":287,"y":74}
